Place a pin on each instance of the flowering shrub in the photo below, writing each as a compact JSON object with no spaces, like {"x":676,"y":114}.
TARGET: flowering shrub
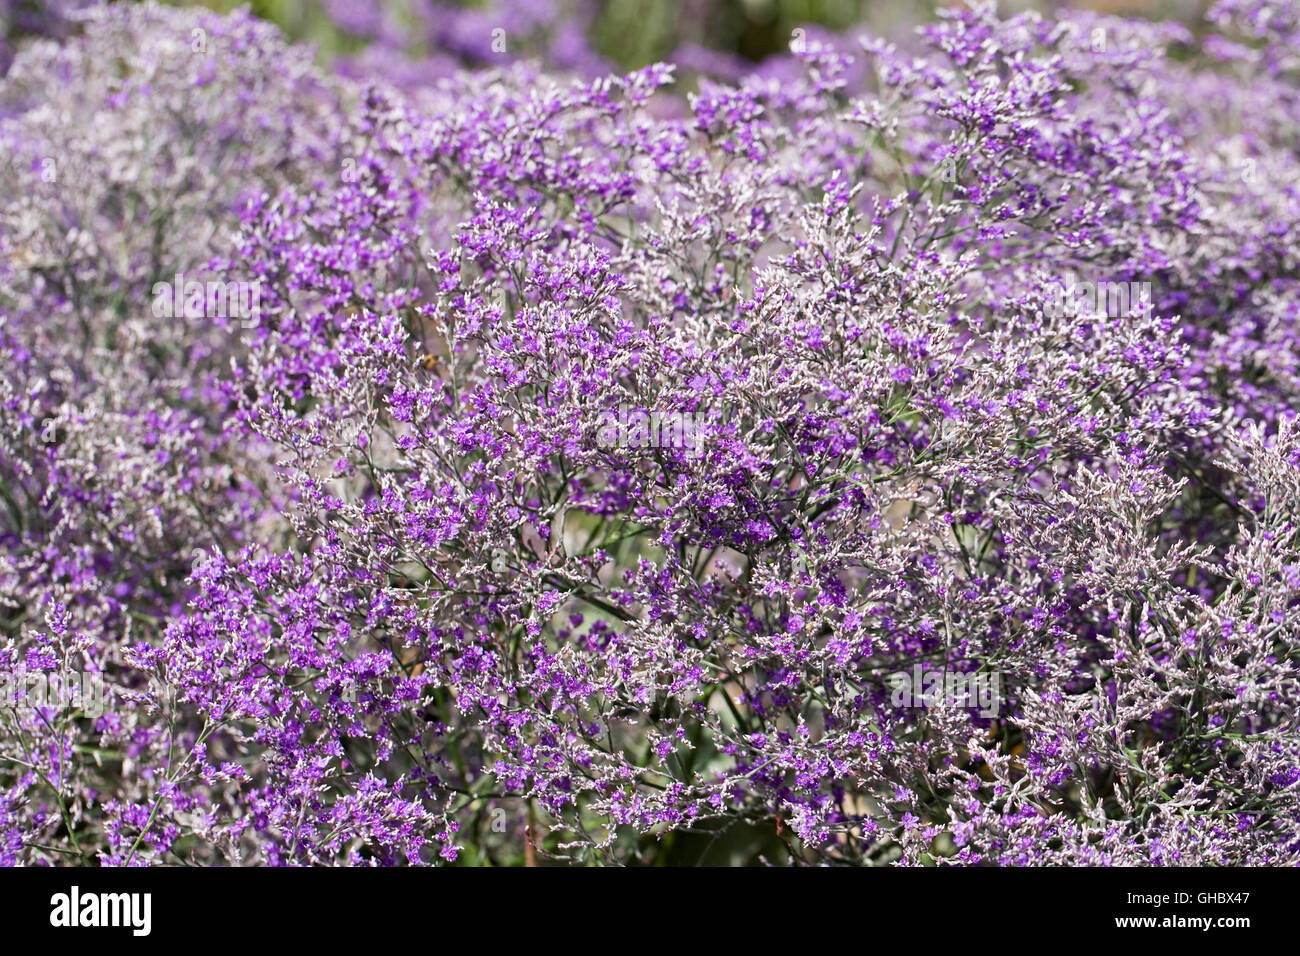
{"x":602,"y":468}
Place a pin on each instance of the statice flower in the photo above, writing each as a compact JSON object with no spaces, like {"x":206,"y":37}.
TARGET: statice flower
{"x":888,"y":455}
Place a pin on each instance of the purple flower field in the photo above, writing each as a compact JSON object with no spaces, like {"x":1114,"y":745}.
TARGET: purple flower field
{"x":881,"y":453}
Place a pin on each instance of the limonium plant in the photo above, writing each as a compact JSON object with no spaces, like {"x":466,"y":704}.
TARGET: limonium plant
{"x":885,"y":456}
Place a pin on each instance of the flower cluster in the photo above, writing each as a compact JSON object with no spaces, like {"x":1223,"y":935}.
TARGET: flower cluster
{"x":602,"y":459}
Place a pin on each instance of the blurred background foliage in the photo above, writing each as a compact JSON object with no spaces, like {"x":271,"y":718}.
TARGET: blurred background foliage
{"x":634,"y":33}
{"x":418,"y":40}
